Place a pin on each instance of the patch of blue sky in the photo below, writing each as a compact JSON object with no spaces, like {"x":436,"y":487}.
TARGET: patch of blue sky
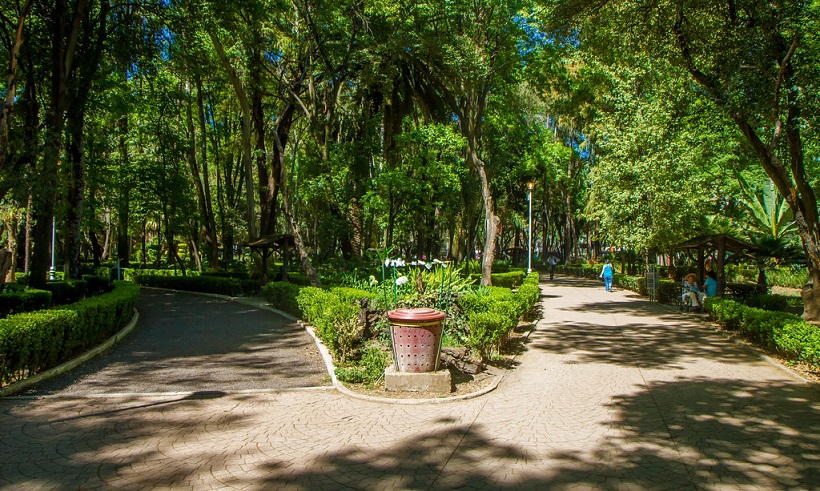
{"x":274,"y":56}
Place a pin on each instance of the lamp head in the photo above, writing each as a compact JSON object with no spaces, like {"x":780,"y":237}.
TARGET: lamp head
{"x":530,"y":185}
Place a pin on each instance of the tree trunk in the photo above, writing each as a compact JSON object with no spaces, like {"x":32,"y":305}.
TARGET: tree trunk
{"x":811,"y":296}
{"x":124,"y":199}
{"x":11,"y":79}
{"x":247,"y":161}
{"x":310,"y":271}
{"x":76,"y":190}
{"x":492,"y":221}
{"x":209,"y":221}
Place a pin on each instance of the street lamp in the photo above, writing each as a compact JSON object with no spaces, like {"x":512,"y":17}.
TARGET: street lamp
{"x":52,"y":272}
{"x":530,"y":186}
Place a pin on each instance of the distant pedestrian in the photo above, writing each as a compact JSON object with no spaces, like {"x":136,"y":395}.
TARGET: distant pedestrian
{"x":606,"y":273}
{"x":552,"y":260}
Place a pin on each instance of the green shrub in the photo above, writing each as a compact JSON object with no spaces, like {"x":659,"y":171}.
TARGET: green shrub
{"x":491,"y":313}
{"x":129,"y":274}
{"x":487,"y":331}
{"x":787,"y":333}
{"x":768,"y":302}
{"x":15,"y":302}
{"x":239,"y":275}
{"x":96,"y":285}
{"x":787,"y":277}
{"x":799,"y":339}
{"x":368,"y":370}
{"x":331,"y":313}
{"x":350,"y":295}
{"x":35,"y":341}
{"x":508,"y":280}
{"x":282,"y":295}
{"x":65,"y":292}
{"x":635,"y":284}
{"x":204,"y":284}
{"x":668,"y":292}
{"x":742,"y":291}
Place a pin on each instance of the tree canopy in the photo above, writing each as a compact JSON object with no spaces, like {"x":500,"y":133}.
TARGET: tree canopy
{"x":168,"y":132}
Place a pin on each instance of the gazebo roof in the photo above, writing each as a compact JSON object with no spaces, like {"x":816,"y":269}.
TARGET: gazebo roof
{"x":712,"y":241}
{"x":270,"y":242}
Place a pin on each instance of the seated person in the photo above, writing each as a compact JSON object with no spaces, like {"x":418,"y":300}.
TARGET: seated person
{"x":690,"y":290}
{"x":710,"y":284}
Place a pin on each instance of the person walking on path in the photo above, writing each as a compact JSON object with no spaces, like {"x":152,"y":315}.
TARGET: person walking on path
{"x":606,"y":273}
{"x":552,"y":262}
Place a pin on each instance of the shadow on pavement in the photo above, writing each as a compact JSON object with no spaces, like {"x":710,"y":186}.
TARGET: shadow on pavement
{"x":188,"y":342}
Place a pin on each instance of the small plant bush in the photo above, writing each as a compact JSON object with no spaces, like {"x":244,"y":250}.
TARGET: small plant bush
{"x":204,"y":284}
{"x":334,"y":314}
{"x":369,"y":369}
{"x":282,"y":295}
{"x":787,"y":333}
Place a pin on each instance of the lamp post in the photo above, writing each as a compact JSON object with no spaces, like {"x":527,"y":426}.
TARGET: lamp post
{"x":52,"y":272}
{"x":530,"y":186}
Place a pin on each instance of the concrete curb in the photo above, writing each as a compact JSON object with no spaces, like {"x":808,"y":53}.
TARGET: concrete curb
{"x":73,"y":363}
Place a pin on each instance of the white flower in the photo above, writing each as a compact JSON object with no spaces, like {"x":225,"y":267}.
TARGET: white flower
{"x":401,"y":280}
{"x":387,"y":263}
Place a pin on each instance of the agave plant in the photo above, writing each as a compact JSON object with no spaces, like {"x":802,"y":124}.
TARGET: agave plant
{"x":769,"y":214}
{"x":769,"y":226}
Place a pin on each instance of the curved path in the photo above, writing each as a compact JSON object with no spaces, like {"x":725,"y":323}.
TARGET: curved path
{"x":612,"y":393}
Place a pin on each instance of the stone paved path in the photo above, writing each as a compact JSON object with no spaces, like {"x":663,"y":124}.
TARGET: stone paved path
{"x":612,"y":393}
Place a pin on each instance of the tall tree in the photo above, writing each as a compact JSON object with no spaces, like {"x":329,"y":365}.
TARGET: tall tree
{"x":751,"y":59}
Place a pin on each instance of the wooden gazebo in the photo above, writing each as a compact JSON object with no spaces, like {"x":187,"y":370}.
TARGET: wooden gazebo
{"x":266,"y":244}
{"x":720,"y":243}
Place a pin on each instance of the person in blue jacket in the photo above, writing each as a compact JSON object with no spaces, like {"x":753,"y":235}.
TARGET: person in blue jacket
{"x":607,"y":273}
{"x":710,"y":285}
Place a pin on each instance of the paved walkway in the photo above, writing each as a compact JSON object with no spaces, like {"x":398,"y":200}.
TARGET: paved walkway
{"x":612,"y":393}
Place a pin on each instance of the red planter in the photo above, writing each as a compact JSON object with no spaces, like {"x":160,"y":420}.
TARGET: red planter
{"x":416,"y":337}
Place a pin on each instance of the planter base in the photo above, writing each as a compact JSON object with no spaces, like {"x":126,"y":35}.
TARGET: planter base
{"x":438,"y":382}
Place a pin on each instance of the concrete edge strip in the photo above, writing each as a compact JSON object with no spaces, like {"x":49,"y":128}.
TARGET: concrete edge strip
{"x":184,"y":394}
{"x":328,"y":359}
{"x":70,"y":364}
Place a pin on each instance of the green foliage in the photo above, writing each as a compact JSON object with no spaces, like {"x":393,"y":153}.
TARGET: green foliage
{"x":204,"y":284}
{"x":787,"y":333}
{"x":35,"y":341}
{"x":742,"y":291}
{"x":65,"y":292}
{"x":334,"y":314}
{"x":509,"y":279}
{"x":129,"y":274}
{"x":633,"y":283}
{"x":368,"y":369}
{"x":14,"y":302}
{"x":96,"y":284}
{"x":773,"y":303}
{"x":282,"y":295}
{"x":493,"y":312}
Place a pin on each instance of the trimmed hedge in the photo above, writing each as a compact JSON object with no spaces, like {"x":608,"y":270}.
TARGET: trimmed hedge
{"x":282,"y":295}
{"x":15,"y":302}
{"x":493,"y":312}
{"x":204,"y":284}
{"x":787,"y":333}
{"x":65,"y":292}
{"x":510,"y":279}
{"x":334,"y":313}
{"x":35,"y":341}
